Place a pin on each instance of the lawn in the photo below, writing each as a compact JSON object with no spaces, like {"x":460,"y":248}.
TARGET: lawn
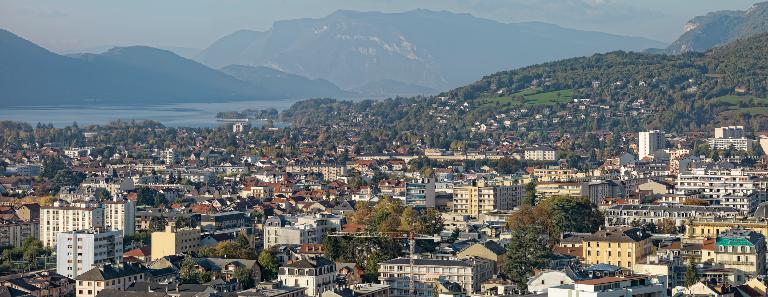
{"x":532,"y":97}
{"x":758,"y":110}
{"x":736,"y":99}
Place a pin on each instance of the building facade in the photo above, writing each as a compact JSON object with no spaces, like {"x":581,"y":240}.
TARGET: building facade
{"x":174,"y":241}
{"x":78,"y":251}
{"x":64,"y":218}
{"x":316,"y":274}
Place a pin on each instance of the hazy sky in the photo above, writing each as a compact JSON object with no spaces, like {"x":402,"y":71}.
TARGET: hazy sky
{"x":65,"y":25}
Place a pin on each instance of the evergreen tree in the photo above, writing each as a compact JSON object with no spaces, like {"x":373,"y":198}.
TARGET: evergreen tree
{"x":691,"y":274}
{"x":528,"y":249}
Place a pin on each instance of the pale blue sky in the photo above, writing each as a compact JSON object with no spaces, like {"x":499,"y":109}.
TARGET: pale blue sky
{"x":66,"y":25}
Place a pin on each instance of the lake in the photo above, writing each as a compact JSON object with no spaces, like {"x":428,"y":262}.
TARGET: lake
{"x":197,"y":115}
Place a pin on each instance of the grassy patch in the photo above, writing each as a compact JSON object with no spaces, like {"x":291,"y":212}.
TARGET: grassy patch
{"x":736,"y":99}
{"x":758,"y":110}
{"x":532,"y":97}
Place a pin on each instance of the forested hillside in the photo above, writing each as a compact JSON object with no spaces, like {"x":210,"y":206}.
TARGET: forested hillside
{"x":615,"y":92}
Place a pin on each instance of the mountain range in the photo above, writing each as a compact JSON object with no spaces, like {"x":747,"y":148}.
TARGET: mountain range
{"x":421,"y":48}
{"x":721,"y":27}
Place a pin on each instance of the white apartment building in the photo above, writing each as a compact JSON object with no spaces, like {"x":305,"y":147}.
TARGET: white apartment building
{"x":299,"y":230}
{"x":78,"y":251}
{"x":649,"y":142}
{"x":316,"y":274}
{"x":716,"y":184}
{"x":741,"y":144}
{"x":168,"y":156}
{"x":469,"y":273}
{"x":634,"y":285}
{"x":120,"y":215}
{"x":329,"y":172}
{"x":730,"y":137}
{"x":540,"y":153}
{"x":64,"y":218}
{"x":730,"y":132}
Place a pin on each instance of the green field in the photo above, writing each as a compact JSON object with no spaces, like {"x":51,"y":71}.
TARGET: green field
{"x":736,"y":99}
{"x":532,"y":97}
{"x":758,"y":110}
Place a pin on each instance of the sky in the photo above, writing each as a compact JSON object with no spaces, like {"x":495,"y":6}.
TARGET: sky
{"x":73,"y":25}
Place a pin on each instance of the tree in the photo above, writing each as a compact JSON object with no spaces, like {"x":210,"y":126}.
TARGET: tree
{"x":667,"y":226}
{"x":244,"y":277}
{"x":332,"y":248}
{"x":695,"y":201}
{"x":429,"y":222}
{"x":454,"y":236}
{"x":507,"y":165}
{"x":268,"y":265}
{"x":187,"y":271}
{"x":102,"y":194}
{"x":529,"y":198}
{"x":691,"y":274}
{"x":528,"y":249}
{"x":571,"y":214}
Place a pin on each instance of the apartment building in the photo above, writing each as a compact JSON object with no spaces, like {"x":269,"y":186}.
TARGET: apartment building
{"x":701,"y":228}
{"x":540,"y":153}
{"x":78,"y":251}
{"x":627,"y":214}
{"x":622,"y":247}
{"x":108,"y":276}
{"x":633,"y":285}
{"x":649,"y":142}
{"x":15,"y":232}
{"x":174,"y":241}
{"x":741,"y":249}
{"x":120,"y":215}
{"x":316,"y":274}
{"x":729,"y":132}
{"x":555,"y":188}
{"x":329,"y":172}
{"x":298,"y":230}
{"x":420,"y":193}
{"x":223,"y":220}
{"x":469,"y":273}
{"x":716,"y":183}
{"x":113,"y":185}
{"x":64,"y":218}
{"x":730,"y":137}
{"x":482,"y":196}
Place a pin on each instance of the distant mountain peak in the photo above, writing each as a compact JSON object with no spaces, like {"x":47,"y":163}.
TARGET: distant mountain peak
{"x":434,"y":49}
{"x":720,"y":27}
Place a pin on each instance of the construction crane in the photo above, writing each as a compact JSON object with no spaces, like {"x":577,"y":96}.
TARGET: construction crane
{"x":410,"y":236}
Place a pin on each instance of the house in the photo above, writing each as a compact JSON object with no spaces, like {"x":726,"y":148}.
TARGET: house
{"x":545,"y":279}
{"x":316,"y":275}
{"x":617,"y":246}
{"x":490,"y":250}
{"x":118,"y":277}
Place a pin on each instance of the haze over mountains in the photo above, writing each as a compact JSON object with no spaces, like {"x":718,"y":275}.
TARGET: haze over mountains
{"x":431,"y":49}
{"x":721,"y":27}
{"x":347,"y":54}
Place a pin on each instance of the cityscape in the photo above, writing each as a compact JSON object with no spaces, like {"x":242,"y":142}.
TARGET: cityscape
{"x":374,"y":151}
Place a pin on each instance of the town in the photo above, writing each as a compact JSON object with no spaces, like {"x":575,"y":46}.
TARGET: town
{"x":179,"y":216}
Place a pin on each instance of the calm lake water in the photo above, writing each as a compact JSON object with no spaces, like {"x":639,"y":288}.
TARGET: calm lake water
{"x":173,"y":115}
